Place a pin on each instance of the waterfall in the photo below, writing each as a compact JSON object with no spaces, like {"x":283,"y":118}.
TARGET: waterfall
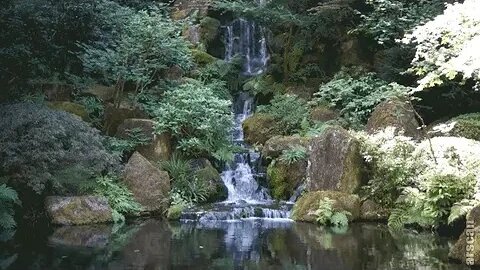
{"x":247,"y":39}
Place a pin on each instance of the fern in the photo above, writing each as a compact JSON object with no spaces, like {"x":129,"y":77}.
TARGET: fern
{"x":328,"y":216}
{"x":294,"y":154}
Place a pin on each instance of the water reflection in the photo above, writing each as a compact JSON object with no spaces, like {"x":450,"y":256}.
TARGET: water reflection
{"x":246,"y":244}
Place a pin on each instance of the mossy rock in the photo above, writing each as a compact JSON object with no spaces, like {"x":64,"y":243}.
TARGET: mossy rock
{"x":308,"y":203}
{"x":372,"y":211}
{"x":209,"y":29}
{"x":467,"y":126}
{"x":335,"y":162}
{"x":472,"y":233}
{"x":274,"y":147}
{"x":323,"y":114}
{"x":284,"y":178}
{"x":105,"y":93}
{"x":259,"y":128}
{"x":206,"y":173}
{"x":79,"y":210}
{"x":114,"y":117}
{"x":202,"y":58}
{"x":394,"y":113}
{"x":70,"y":107}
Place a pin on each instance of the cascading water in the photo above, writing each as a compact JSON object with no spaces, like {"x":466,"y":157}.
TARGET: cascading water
{"x":247,"y":39}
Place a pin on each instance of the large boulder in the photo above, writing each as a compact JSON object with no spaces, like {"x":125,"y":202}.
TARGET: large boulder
{"x":467,"y":248}
{"x":335,"y":162}
{"x":394,"y":113}
{"x":158,"y":147}
{"x":284,"y":178}
{"x":70,"y":107}
{"x":102,"y":92}
{"x":114,"y":117}
{"x":149,"y":185}
{"x":308,"y":203}
{"x":205,"y":172}
{"x":260,"y":127}
{"x":79,"y":210}
{"x":274,"y":147}
{"x":371,"y":211}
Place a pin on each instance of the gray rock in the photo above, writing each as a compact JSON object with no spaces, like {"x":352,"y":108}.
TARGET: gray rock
{"x":78,"y":210}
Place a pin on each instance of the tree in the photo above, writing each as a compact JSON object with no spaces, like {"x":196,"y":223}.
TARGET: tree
{"x":447,"y":48}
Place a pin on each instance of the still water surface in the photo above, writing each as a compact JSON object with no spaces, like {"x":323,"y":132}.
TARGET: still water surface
{"x":246,"y":244}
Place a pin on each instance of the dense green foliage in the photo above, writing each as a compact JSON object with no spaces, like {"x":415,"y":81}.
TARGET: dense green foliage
{"x":288,"y":110}
{"x":356,"y":95}
{"x":8,"y":200}
{"x":447,"y":47}
{"x":119,"y":197}
{"x":391,"y":19}
{"x":37,"y":144}
{"x":198,"y":119}
{"x":293,"y":155}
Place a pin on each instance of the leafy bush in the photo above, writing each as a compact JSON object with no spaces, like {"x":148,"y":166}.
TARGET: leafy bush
{"x":356,"y":95}
{"x":294,"y":154}
{"x":8,"y":200}
{"x":119,"y":197}
{"x":187,"y":187}
{"x":390,"y":19}
{"x":94,"y":108}
{"x":37,"y":144}
{"x":447,"y":47}
{"x":122,"y":147}
{"x":198,"y":119}
{"x":327,"y":216}
{"x":288,"y":110}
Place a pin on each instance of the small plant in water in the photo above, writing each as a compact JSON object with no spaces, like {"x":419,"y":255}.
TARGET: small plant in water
{"x":328,"y":216}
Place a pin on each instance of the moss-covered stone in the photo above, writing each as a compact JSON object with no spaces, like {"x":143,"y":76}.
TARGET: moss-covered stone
{"x":274,"y":147}
{"x":371,"y":211}
{"x":394,"y":113}
{"x":335,"y":162}
{"x":206,"y":173}
{"x":467,"y":126}
{"x":308,"y":203}
{"x":202,"y":58}
{"x":114,"y":117}
{"x":259,"y":128}
{"x":209,"y":29}
{"x":323,"y":114}
{"x":105,"y":93}
{"x":284,"y":178}
{"x":70,"y":107}
{"x":78,"y":210}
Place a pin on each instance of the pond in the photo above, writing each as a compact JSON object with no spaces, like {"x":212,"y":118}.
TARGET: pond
{"x":242,"y":244}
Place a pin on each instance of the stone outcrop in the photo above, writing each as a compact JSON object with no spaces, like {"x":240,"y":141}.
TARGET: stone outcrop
{"x":78,"y":210}
{"x":323,"y":114}
{"x":335,"y":162}
{"x":158,"y":147}
{"x":371,"y":211}
{"x":284,"y":178}
{"x":308,"y":203}
{"x":149,"y":185}
{"x":70,"y":107}
{"x":102,"y":92}
{"x":205,"y":172}
{"x":274,"y":147}
{"x":114,"y":117}
{"x":394,"y":113}
{"x":467,"y":248}
{"x":259,"y":128}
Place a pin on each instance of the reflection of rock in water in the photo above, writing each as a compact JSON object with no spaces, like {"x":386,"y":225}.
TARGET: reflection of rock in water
{"x":81,"y":236}
{"x":149,"y":248}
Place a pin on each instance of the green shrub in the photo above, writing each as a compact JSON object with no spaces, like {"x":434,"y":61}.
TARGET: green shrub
{"x":119,"y":197}
{"x":356,"y":95}
{"x":294,"y":154}
{"x":37,"y":144}
{"x":8,"y":200}
{"x":467,"y":126}
{"x":327,"y":216}
{"x":198,"y":120}
{"x":94,"y":107}
{"x":288,"y":110}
